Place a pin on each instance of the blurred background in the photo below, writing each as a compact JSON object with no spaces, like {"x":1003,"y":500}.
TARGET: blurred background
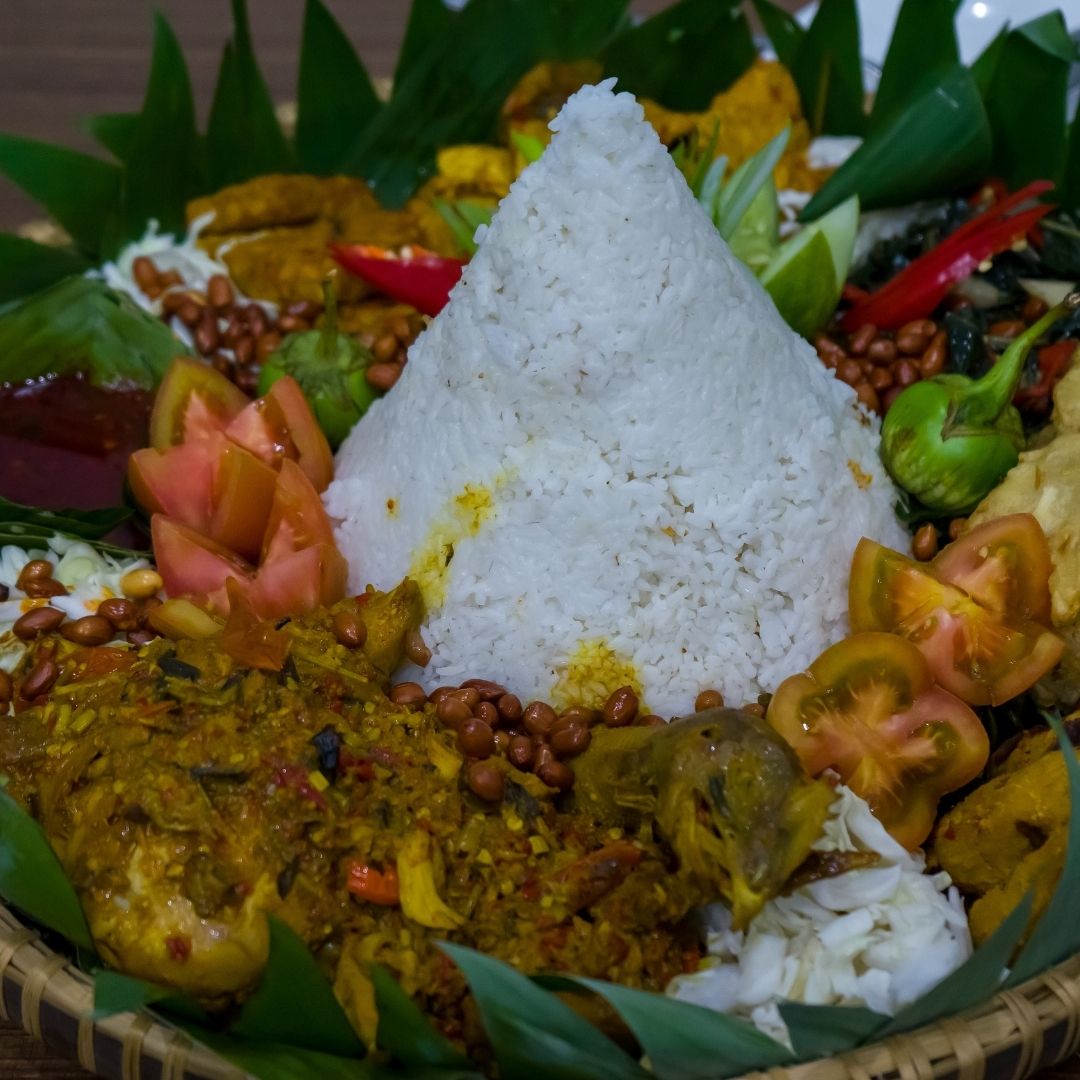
{"x":61,"y":60}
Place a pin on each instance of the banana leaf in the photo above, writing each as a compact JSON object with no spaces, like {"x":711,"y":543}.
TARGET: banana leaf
{"x":923,"y":44}
{"x":451,"y":94}
{"x":827,"y":69}
{"x":937,"y":143}
{"x":1026,"y":102}
{"x":1068,"y":190}
{"x":683,"y":56}
{"x":683,"y":1041}
{"x":79,"y":325}
{"x":243,"y":136}
{"x":294,"y":1003}
{"x":79,"y":191}
{"x":32,"y":878}
{"x":820,"y":1030}
{"x":782,"y":30}
{"x":429,"y":22}
{"x":405,"y":1032}
{"x":986,"y":62}
{"x":115,"y":993}
{"x":162,"y":166}
{"x":532,"y":1032}
{"x":26,"y":267}
{"x":335,"y":98}
{"x":114,"y":131}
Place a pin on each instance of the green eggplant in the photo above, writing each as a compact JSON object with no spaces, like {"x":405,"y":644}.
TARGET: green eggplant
{"x":951,"y":439}
{"x":331,"y":368}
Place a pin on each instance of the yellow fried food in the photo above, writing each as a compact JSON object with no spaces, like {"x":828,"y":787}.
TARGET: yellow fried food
{"x":745,"y":117}
{"x":1046,"y":483}
{"x":542,"y":91}
{"x":272,"y":201}
{"x":1008,"y":836}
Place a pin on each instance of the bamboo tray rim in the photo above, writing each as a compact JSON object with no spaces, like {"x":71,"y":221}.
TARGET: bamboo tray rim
{"x":1008,"y":1037}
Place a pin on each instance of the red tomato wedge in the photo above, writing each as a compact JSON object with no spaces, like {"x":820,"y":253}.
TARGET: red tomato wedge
{"x":192,"y":564}
{"x":868,"y":708}
{"x":236,"y":499}
{"x":192,"y":400}
{"x":243,"y":493}
{"x":261,"y":429}
{"x":299,"y":582}
{"x":297,"y":518}
{"x":314,"y":455}
{"x":178,"y":481}
{"x":977,"y":612}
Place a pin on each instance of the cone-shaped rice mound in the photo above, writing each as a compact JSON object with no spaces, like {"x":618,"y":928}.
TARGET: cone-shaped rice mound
{"x":609,"y":460}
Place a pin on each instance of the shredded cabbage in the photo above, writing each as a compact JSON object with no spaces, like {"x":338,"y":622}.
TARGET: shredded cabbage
{"x":879,"y":936}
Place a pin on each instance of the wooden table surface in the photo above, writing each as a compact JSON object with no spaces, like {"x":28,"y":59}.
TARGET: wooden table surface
{"x":61,"y":60}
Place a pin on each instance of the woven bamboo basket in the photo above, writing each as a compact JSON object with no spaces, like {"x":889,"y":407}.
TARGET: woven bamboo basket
{"x":1008,"y":1037}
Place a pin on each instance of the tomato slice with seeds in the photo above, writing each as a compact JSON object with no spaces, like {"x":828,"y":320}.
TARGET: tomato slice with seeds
{"x":868,"y":708}
{"x":313,"y":450}
{"x":192,"y":400}
{"x":243,"y":493}
{"x":976,"y":612}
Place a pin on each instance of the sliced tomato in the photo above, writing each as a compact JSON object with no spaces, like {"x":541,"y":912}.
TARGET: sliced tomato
{"x":299,"y":582}
{"x":297,"y":517}
{"x":262,"y":429}
{"x":868,"y":708}
{"x":243,"y":494}
{"x":985,"y":645}
{"x":248,"y":639}
{"x":192,"y":564}
{"x":1004,"y":566}
{"x":178,"y":481}
{"x":192,"y":399}
{"x":314,"y":453}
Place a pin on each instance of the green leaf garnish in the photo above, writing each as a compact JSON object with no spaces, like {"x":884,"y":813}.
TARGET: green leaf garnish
{"x":294,"y":1003}
{"x":335,"y":98}
{"x":26,"y":525}
{"x":1026,"y":101}
{"x":404,"y":1031}
{"x":923,"y":45}
{"x":528,"y":146}
{"x":746,"y":181}
{"x":161,"y":167}
{"x":26,"y":267}
{"x":243,"y":136}
{"x":1057,"y":933}
{"x":685,"y":55}
{"x":782,"y":30}
{"x":79,"y":325}
{"x":975,"y":980}
{"x":114,"y":131}
{"x":32,"y":879}
{"x":531,"y":1031}
{"x":827,"y":69}
{"x":683,"y":1041}
{"x":819,"y":1030}
{"x":115,"y":992}
{"x":938,"y":142}
{"x":463,"y":218}
{"x":78,"y":190}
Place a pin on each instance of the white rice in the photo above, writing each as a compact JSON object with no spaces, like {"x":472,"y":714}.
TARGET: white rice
{"x":666,"y":468}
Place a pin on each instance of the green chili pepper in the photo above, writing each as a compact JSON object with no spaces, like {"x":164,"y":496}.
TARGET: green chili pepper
{"x":950,"y":439}
{"x":331,"y":368}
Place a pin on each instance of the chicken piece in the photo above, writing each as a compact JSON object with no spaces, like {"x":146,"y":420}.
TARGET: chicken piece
{"x":1009,"y":834}
{"x":1046,"y":483}
{"x":725,"y":790}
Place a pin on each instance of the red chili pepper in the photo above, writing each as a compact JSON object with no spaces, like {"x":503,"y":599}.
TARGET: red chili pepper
{"x":375,"y":886}
{"x":1053,"y":362}
{"x":918,"y":289}
{"x":413,"y":276}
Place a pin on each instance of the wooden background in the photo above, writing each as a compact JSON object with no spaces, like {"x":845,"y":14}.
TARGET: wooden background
{"x":61,"y":60}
